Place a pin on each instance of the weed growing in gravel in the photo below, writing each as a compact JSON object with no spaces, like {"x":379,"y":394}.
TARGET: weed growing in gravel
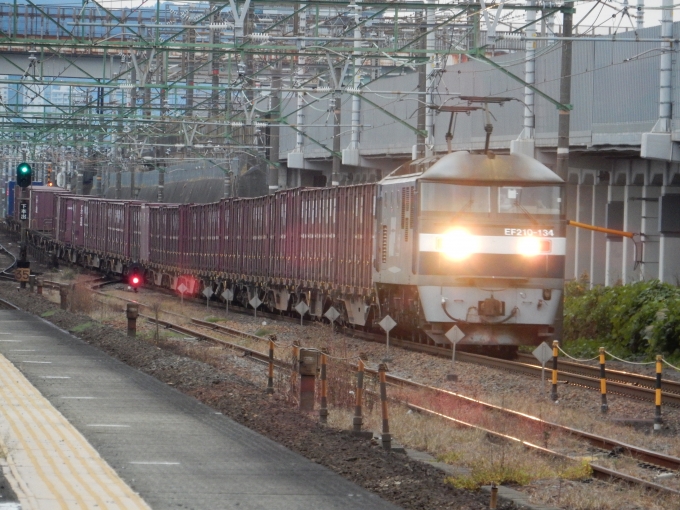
{"x":82,"y":327}
{"x":264,"y":332}
{"x":68,"y":274}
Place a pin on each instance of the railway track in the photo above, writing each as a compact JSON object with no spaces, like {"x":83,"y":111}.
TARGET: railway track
{"x":631,"y":385}
{"x":640,"y":454}
{"x":612,"y":375}
{"x":618,"y":382}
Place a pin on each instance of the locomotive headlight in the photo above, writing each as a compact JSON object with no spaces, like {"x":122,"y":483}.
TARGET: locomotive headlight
{"x":532,"y":246}
{"x":458,"y":244}
{"x":528,"y":246}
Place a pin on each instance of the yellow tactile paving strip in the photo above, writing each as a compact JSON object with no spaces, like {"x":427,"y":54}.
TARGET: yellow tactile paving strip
{"x":51,"y":465}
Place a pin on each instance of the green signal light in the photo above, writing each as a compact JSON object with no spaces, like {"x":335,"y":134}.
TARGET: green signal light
{"x":24,"y":175}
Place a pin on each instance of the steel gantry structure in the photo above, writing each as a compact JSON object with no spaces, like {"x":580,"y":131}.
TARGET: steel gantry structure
{"x":94,"y":89}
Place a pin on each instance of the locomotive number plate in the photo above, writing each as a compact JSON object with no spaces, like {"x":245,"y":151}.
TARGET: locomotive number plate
{"x":539,"y":232}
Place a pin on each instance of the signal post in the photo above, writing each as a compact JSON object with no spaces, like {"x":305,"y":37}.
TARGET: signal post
{"x":24,"y":180}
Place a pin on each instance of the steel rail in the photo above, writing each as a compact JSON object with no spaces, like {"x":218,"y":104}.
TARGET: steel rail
{"x":260,"y":356}
{"x":629,"y":390}
{"x":600,"y":472}
{"x":599,"y":441}
{"x":638,"y":453}
{"x":635,"y":388}
{"x":612,"y":375}
{"x":626,"y":384}
{"x":635,"y":452}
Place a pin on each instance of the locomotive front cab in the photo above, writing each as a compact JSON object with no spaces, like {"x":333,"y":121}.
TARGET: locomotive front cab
{"x":488,"y":250}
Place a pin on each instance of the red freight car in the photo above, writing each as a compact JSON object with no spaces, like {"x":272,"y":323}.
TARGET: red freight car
{"x":293,"y":245}
{"x":168,"y":237}
{"x":43,"y":209}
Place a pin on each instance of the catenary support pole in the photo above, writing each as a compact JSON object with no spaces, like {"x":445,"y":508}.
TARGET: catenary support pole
{"x":564,"y":119}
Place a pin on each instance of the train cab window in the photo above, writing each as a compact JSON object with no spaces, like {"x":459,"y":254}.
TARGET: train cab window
{"x":438,"y":197}
{"x":534,"y":200}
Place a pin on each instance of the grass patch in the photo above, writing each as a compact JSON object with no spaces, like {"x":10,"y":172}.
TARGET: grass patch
{"x":68,"y":274}
{"x":576,"y":472}
{"x":264,"y":332}
{"x":82,"y":327}
{"x":488,"y":472}
{"x":213,"y":319}
{"x":49,"y":313}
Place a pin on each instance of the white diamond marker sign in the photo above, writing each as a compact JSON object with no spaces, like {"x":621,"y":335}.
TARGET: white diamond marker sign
{"x":228,"y":296}
{"x":543,"y":353}
{"x":331,"y":314}
{"x":301,"y":308}
{"x":255,"y":302}
{"x":454,"y":335}
{"x":387,"y":324}
{"x":182,"y":289}
{"x":207,"y":292}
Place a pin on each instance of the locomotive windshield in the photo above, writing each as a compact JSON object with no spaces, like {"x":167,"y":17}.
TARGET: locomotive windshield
{"x":454,"y":198}
{"x":533,"y":200}
{"x":457,"y":198}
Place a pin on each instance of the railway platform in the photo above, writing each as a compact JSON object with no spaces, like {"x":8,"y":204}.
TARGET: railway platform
{"x":82,"y":430}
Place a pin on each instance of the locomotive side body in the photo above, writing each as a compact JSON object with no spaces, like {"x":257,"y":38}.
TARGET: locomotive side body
{"x":473,"y":241}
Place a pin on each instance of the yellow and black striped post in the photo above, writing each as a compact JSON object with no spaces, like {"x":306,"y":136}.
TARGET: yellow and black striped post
{"x":270,"y":376}
{"x":323,"y":410}
{"x":603,"y":382}
{"x":294,"y":371}
{"x":386,"y":437}
{"x":553,"y":391}
{"x":657,"y":415}
{"x":358,"y":420}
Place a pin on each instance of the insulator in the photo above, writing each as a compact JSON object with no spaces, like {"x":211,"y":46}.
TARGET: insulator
{"x":260,"y":37}
{"x":221,"y":26}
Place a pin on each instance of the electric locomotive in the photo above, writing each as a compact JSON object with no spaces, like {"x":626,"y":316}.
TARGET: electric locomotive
{"x":475,"y":241}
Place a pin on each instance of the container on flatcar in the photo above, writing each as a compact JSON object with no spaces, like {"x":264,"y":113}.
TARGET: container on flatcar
{"x":43,"y":209}
{"x":168,"y":235}
{"x":14,"y":192}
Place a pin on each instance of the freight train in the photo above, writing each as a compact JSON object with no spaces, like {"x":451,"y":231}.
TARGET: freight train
{"x":475,"y":241}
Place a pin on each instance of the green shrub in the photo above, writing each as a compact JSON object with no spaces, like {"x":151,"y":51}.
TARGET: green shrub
{"x":639,"y":319}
